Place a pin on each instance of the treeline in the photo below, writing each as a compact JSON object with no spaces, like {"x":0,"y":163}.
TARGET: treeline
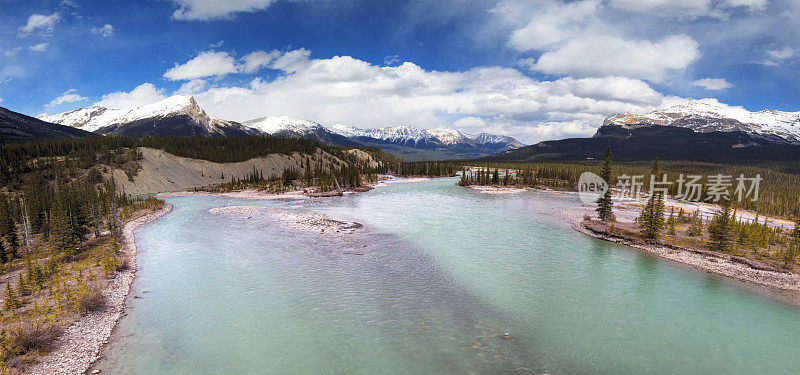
{"x":426,"y":168}
{"x":15,"y":159}
{"x":60,"y":213}
{"x":777,"y":195}
{"x":726,"y":232}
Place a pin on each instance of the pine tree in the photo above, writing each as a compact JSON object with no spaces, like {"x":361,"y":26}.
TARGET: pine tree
{"x":651,"y":219}
{"x":796,"y":231}
{"x":720,"y":229}
{"x":604,"y":203}
{"x":11,"y":302}
{"x":61,"y":234}
{"x":671,"y":221}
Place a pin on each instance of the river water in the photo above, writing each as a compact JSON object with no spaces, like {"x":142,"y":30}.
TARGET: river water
{"x":441,"y":279}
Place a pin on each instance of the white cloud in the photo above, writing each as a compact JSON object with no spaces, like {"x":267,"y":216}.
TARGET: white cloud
{"x":143,"y":94}
{"x":292,"y":61}
{"x":391,"y":59}
{"x":688,"y":8}
{"x":342,"y":89}
{"x":256,"y":60}
{"x":216,"y":9}
{"x":217,"y":44}
{"x":192,"y":87}
{"x":554,"y":23}
{"x":70,"y":96}
{"x":778,"y":56}
{"x":205,"y":64}
{"x":576,"y":41}
{"x":40,"y":23}
{"x":752,"y":4}
{"x":713,"y":84}
{"x":105,"y":30}
{"x":39,"y":47}
{"x":606,"y":55}
{"x":10,"y":52}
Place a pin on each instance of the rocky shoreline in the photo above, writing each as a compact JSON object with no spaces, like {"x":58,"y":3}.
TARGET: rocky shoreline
{"x":290,"y":219}
{"x":80,"y":344}
{"x":783,"y":286}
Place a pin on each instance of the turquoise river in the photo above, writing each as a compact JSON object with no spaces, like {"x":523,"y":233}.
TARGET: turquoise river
{"x":441,"y":279}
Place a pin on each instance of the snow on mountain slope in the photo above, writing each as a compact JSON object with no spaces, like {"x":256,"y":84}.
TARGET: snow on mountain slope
{"x":275,"y":124}
{"x":707,"y":115}
{"x":408,"y":133}
{"x":96,"y":118}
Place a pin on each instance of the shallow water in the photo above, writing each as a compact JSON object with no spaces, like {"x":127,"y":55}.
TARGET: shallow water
{"x":445,"y":273}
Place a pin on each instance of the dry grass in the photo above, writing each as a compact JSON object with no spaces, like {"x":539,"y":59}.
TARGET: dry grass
{"x":92,"y":300}
{"x":124,"y":264}
{"x":34,"y":336}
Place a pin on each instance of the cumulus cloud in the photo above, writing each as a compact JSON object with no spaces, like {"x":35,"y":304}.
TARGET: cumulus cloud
{"x":40,"y":23}
{"x":39,"y":47}
{"x":576,"y":41}
{"x":70,"y":96}
{"x":256,"y":60}
{"x":104,"y":31}
{"x":143,"y":94}
{"x":192,"y":87}
{"x":216,"y":9}
{"x":713,"y":84}
{"x":606,"y":55}
{"x":205,"y":64}
{"x":343,"y":89}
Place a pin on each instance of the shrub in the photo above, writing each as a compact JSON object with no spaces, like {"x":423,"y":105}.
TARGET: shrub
{"x":28,"y":336}
{"x":92,"y":300}
{"x":123,"y":265}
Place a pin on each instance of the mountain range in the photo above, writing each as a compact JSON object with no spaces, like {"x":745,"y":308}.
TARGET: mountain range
{"x":181,"y":115}
{"x":16,"y":127}
{"x":694,"y":130}
{"x":699,"y":130}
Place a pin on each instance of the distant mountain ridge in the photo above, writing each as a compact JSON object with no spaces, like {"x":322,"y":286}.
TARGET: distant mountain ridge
{"x":705,"y":115}
{"x":16,"y":127}
{"x":181,"y":115}
{"x":177,"y":115}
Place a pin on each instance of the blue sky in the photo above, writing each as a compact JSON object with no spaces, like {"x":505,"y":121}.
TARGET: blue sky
{"x":536,"y":69}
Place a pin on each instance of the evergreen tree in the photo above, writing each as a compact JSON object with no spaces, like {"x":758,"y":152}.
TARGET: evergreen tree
{"x":604,"y":203}
{"x":11,"y":302}
{"x":720,"y":229}
{"x":61,"y":234}
{"x":671,"y":221}
{"x":696,"y":224}
{"x":796,"y":231}
{"x":651,"y":219}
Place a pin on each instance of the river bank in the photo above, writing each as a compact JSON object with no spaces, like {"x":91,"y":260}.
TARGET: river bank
{"x":757,"y":276}
{"x":80,"y":344}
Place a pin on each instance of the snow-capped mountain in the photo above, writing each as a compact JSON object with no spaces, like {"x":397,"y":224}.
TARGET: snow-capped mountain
{"x":708,"y":115}
{"x":16,"y":127}
{"x":181,"y":116}
{"x":276,"y":124}
{"x":405,"y":136}
{"x":408,"y":135}
{"x":176,"y":115}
